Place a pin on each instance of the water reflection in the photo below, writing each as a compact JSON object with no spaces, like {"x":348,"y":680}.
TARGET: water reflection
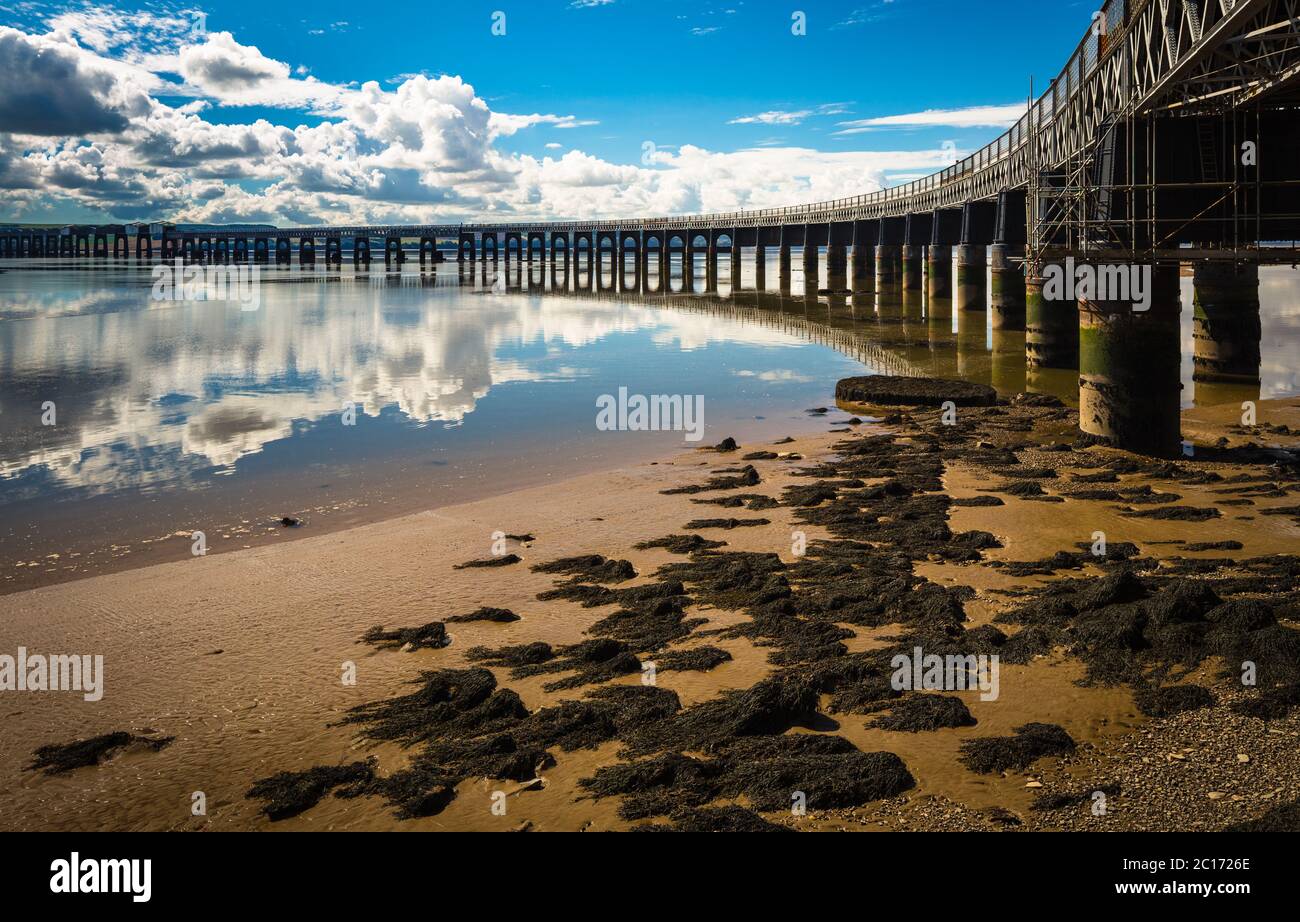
{"x":157,"y":396}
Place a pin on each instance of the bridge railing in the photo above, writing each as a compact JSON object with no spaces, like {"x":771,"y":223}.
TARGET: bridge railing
{"x":1006,"y":153}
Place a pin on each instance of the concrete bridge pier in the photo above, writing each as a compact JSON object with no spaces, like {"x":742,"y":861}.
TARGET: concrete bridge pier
{"x":711,"y":264}
{"x":911,"y":256}
{"x":360,"y":252}
{"x":540,"y":240}
{"x":306,"y":252}
{"x":888,"y":264}
{"x":283,"y":251}
{"x":938,"y":271}
{"x":1007,"y":287}
{"x":760,"y":266}
{"x":1129,"y":388}
{"x":837,"y":268}
{"x":1226,"y":324}
{"x":1052,"y":327}
{"x":333,"y":251}
{"x":864,"y":268}
{"x":464,"y":248}
{"x":972,"y":281}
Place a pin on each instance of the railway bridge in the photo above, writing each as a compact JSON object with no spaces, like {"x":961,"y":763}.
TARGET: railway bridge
{"x":1170,"y":137}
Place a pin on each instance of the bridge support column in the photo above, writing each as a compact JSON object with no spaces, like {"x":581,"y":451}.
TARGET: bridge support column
{"x":837,"y":268}
{"x":1007,"y":287}
{"x":760,"y":267}
{"x":888,"y":262}
{"x":711,"y":264}
{"x":1226,"y":322}
{"x":735,"y":269}
{"x":972,"y":287}
{"x":1129,"y":390}
{"x":911,"y":256}
{"x":1052,"y":326}
{"x":783,"y":262}
{"x":938,"y":271}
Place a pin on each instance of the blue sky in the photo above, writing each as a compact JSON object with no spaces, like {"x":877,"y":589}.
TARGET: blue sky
{"x":574,"y":95}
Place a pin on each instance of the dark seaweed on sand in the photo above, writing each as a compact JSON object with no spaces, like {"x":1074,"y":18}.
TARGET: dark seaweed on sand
{"x":497,"y":615}
{"x":752,"y":501}
{"x":768,"y":771}
{"x":58,"y":758}
{"x":730,"y":818}
{"x":746,"y":476}
{"x":505,"y":560}
{"x":988,"y":754}
{"x":918,"y":713}
{"x":432,"y":636}
{"x":697,"y":659}
{"x":725,"y":524}
{"x":681,"y":544}
{"x":589,"y":568}
{"x":289,"y":793}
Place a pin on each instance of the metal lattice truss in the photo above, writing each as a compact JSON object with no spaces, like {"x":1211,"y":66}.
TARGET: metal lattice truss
{"x":1167,"y":57}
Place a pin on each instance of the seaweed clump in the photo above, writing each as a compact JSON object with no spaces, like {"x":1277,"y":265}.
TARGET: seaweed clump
{"x":58,"y":758}
{"x":988,"y":754}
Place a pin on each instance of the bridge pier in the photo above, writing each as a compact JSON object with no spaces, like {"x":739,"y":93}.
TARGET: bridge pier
{"x":1052,"y":328}
{"x":307,"y":251}
{"x":972,"y":287}
{"x":283,"y":251}
{"x":888,"y":261}
{"x":938,"y":271}
{"x":911,"y":256}
{"x":1007,"y":287}
{"x":734,"y":270}
{"x":540,"y":240}
{"x":333,"y":251}
{"x":360,"y":252}
{"x":837,"y":268}
{"x":783,"y":270}
{"x":1227,"y":328}
{"x":1129,"y":390}
{"x":760,"y":266}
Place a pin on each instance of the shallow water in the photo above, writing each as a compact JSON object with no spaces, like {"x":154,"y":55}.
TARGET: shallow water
{"x":176,"y":416}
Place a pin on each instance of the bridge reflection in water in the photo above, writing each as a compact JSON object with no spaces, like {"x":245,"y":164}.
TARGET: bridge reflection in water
{"x":911,"y":330}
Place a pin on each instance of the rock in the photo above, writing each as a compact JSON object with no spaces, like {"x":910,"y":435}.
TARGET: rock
{"x":1216,"y":795}
{"x":1034,"y":784}
{"x":905,"y":391}
{"x":1243,"y":758}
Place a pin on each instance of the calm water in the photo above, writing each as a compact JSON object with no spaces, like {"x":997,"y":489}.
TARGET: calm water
{"x":174,"y":416}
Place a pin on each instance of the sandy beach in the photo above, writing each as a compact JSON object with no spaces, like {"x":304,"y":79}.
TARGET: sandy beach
{"x":242,"y":657}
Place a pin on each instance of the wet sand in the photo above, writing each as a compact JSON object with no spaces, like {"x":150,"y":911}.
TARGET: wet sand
{"x":239,"y":656}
